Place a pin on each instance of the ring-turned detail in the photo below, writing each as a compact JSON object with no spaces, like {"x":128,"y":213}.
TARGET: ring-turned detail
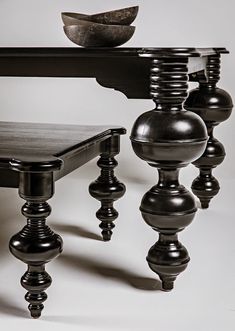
{"x":214,"y":105}
{"x":107,"y":188}
{"x":168,"y":138}
{"x":36,"y":244}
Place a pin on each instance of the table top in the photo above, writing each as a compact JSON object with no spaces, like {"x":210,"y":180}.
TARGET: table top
{"x":109,"y":51}
{"x":43,"y":142}
{"x":126,"y":69}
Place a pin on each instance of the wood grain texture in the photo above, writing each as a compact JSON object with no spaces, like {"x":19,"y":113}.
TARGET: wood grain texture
{"x":35,"y":146}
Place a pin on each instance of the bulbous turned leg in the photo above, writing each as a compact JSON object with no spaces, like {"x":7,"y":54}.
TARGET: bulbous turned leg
{"x":168,"y":138}
{"x":36,"y":244}
{"x":107,"y":187}
{"x":205,"y":187}
{"x":168,"y":208}
{"x":214,"y":105}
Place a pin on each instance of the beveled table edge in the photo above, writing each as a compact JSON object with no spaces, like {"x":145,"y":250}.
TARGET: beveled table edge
{"x":109,"y":51}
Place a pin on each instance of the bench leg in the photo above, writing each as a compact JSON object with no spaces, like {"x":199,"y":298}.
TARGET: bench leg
{"x":107,"y":187}
{"x":36,"y":244}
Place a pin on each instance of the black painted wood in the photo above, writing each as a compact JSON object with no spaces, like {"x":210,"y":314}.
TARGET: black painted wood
{"x":40,"y":154}
{"x":168,"y":138}
{"x":40,"y":145}
{"x":214,"y":105}
{"x":36,"y":244}
{"x":107,"y":187}
{"x":123,"y":69}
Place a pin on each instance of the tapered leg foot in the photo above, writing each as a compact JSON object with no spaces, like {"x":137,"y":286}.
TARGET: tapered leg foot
{"x":168,"y":258}
{"x":205,"y":203}
{"x":107,"y":215}
{"x":167,"y":283}
{"x":36,"y":280}
{"x":107,"y":189}
{"x":106,"y":232}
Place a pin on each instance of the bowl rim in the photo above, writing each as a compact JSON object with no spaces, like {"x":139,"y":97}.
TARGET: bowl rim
{"x":118,"y":10}
{"x":102,"y":13}
{"x":71,"y":13}
{"x":129,"y":27}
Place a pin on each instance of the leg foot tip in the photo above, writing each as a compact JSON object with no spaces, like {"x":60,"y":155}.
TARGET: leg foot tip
{"x":35,"y":314}
{"x":106,"y":236}
{"x":167,"y":286}
{"x":106,"y":230}
{"x":205,"y":204}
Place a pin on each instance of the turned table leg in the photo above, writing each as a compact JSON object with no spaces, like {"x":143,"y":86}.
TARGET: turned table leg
{"x":214,"y":105}
{"x":36,"y":244}
{"x":168,"y":138}
{"x":107,"y":187}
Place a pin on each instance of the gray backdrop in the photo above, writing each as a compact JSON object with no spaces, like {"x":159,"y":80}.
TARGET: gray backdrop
{"x":98,"y":286}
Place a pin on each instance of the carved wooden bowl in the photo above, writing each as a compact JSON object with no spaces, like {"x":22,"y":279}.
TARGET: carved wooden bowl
{"x":123,"y":16}
{"x":90,"y":34}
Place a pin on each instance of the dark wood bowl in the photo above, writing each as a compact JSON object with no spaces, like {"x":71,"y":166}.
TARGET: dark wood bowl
{"x":90,"y":34}
{"x":123,"y":16}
